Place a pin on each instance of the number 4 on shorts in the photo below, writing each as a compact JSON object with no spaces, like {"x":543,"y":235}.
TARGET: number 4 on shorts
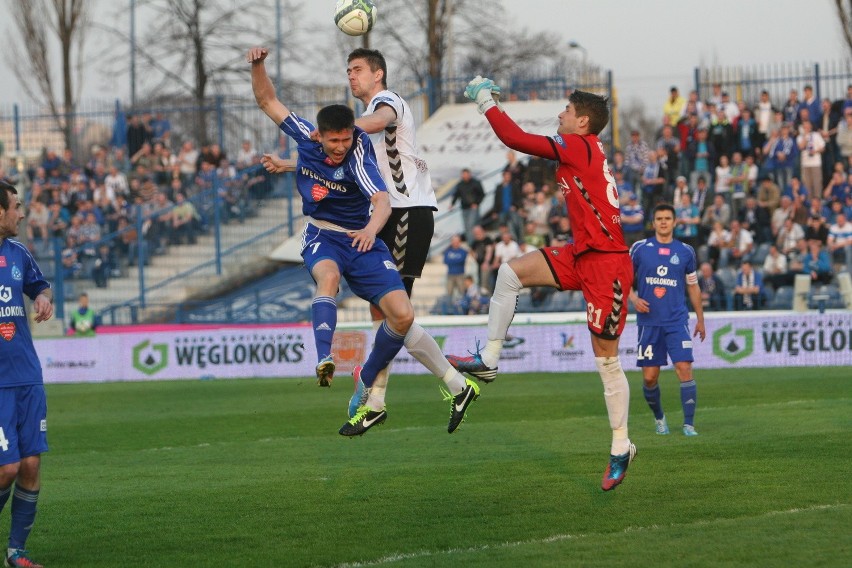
{"x":4,"y":443}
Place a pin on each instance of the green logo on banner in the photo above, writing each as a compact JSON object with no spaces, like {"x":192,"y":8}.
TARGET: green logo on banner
{"x":150,"y":359}
{"x":733,"y":348}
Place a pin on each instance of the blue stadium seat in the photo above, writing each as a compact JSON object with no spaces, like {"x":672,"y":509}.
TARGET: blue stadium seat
{"x":783,"y":299}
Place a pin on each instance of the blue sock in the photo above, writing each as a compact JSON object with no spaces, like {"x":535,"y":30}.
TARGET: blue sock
{"x":23,"y":516}
{"x":4,"y":496}
{"x":653,"y":398}
{"x":688,"y":398}
{"x":387,"y":345}
{"x":324,"y":320}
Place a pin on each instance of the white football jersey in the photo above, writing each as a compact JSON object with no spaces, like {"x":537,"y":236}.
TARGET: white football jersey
{"x":405,"y":173}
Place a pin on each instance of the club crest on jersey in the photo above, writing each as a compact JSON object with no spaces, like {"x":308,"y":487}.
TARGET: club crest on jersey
{"x":674,"y":259}
{"x":390,"y":265}
{"x":7,"y":330}
{"x":16,"y":273}
{"x":338,"y":174}
{"x":318,"y":192}
{"x":659,"y":291}
{"x":558,"y":139}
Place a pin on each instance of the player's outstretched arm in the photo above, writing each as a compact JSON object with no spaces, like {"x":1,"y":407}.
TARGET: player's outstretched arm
{"x":276,"y":165}
{"x":482,"y":91}
{"x":383,"y":117}
{"x":264,"y":92}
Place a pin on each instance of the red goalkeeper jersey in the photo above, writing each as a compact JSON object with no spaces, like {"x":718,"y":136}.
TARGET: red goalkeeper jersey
{"x":583,"y":176}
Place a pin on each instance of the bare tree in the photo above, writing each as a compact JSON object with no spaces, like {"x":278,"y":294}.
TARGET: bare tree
{"x":39,"y":23}
{"x":192,"y":49}
{"x":844,"y":14}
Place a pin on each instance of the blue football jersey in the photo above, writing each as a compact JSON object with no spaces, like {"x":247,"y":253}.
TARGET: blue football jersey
{"x":19,"y":275}
{"x":341,"y":193}
{"x":660,"y":274}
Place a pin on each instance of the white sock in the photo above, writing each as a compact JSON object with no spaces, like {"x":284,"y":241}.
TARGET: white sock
{"x":501,"y":312}
{"x":617,"y":397}
{"x":426,"y":350}
{"x":380,"y":384}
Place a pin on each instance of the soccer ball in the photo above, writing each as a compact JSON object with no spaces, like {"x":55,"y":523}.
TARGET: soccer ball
{"x":355,"y":17}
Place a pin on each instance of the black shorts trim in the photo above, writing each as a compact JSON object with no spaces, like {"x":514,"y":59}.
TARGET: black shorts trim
{"x":552,"y":270}
{"x":408,"y":235}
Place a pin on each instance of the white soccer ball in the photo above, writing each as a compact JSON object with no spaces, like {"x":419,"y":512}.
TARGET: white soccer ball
{"x":355,"y":17}
{"x":83,"y":326}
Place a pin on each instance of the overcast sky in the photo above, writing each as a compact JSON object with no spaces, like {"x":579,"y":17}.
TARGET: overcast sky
{"x":648,"y":44}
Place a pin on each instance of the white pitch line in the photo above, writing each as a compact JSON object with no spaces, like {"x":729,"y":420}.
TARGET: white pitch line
{"x":561,"y":537}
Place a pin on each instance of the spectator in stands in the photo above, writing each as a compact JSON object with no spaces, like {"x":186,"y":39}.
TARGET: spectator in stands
{"x":844,"y":135}
{"x":756,"y":219}
{"x":701,"y":157}
{"x":188,"y":160}
{"x":719,"y":246}
{"x":781,"y":153}
{"x":103,"y":266}
{"x":540,"y":171}
{"x":742,"y":243}
{"x":469,"y":193}
{"x":668,"y":152}
{"x":562,"y":233}
{"x":700,"y":195}
{"x":817,"y":263}
{"x":505,"y":250}
{"x":185,"y":221}
{"x":515,"y":167}
{"x":712,"y":289}
{"x":812,"y":103}
{"x":775,"y":270}
{"x":840,"y":240}
{"x":558,"y":209}
{"x":538,"y":213}
{"x":532,"y":239}
{"x":746,"y":134}
{"x":740,"y":183}
{"x":454,"y":257}
{"x":247,"y":156}
{"x":837,"y":189}
{"x":38,"y":232}
{"x":617,"y":166}
{"x":768,"y":194}
{"x":811,"y":146}
{"x":687,"y":221}
{"x":719,"y":212}
{"x":680,"y":189}
{"x":749,"y":293}
{"x":720,"y":134}
{"x":674,"y":106}
{"x":474,"y":301}
{"x":508,"y":205}
{"x":632,"y":219}
{"x":636,"y":159}
{"x":653,"y":181}
{"x":83,"y":319}
{"x":723,"y":180}
{"x":138,"y":134}
{"x":71,"y":265}
{"x":788,"y":235}
{"x":816,"y":229}
{"x":482,"y":252}
{"x":729,"y":108}
{"x":763,"y":115}
{"x":161,"y":130}
{"x":790,"y":109}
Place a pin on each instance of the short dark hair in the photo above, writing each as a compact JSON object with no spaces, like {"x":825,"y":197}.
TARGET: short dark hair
{"x":664,"y":207}
{"x":5,"y":189}
{"x":594,"y":106}
{"x":335,"y":118}
{"x":374,"y":59}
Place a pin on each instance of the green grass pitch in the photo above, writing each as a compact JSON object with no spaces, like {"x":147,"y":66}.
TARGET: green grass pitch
{"x":253,"y":473}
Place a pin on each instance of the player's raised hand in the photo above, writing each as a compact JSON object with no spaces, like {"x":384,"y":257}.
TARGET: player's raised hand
{"x":257,"y":54}
{"x":482,"y":90}
{"x":275,"y":165}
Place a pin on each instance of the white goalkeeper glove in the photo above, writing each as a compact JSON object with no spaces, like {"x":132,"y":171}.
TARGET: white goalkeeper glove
{"x":482,"y":92}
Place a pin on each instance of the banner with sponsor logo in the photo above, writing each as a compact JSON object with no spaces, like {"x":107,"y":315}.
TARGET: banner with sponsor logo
{"x":549,"y":343}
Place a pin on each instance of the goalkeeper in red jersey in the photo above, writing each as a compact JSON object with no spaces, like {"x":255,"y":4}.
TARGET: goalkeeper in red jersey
{"x":597,"y":262}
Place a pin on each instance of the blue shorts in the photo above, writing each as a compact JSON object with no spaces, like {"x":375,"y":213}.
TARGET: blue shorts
{"x":370,"y":274}
{"x":656,"y":343}
{"x":23,"y":423}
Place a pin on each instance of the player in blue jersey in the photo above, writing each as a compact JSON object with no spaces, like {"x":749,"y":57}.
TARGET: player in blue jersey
{"x":23,"y":405}
{"x":665,"y":270}
{"x":339,"y":180}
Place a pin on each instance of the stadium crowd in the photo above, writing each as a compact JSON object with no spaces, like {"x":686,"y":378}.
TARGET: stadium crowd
{"x":761,"y":191}
{"x":94,"y":204}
